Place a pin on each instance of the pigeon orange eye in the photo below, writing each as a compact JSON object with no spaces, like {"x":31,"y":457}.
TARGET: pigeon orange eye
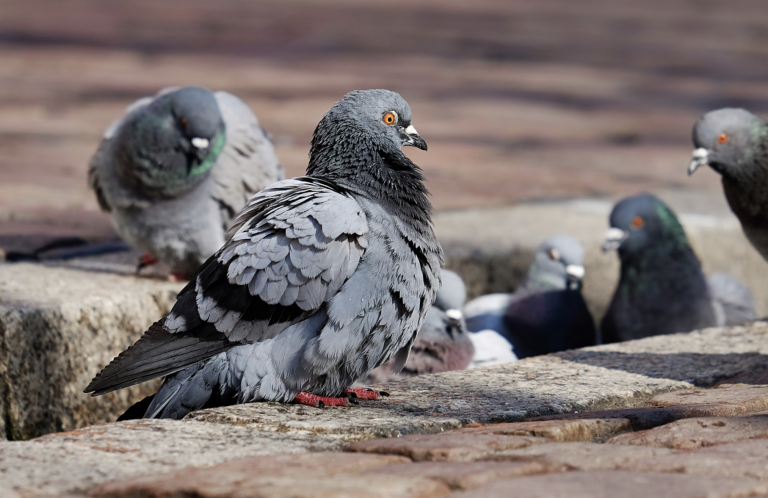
{"x":722,"y":138}
{"x":183,"y":122}
{"x":390,"y":118}
{"x":554,"y":254}
{"x":637,"y":222}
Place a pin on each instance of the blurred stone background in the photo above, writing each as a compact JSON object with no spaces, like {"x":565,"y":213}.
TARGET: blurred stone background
{"x":520,"y":101}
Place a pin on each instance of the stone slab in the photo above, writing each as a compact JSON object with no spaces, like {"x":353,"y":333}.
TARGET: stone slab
{"x":312,"y":475}
{"x":742,"y":459}
{"x":611,"y":377}
{"x":58,"y":328}
{"x":580,"y":456}
{"x":448,"y":447}
{"x":698,"y":432}
{"x":616,"y":483}
{"x":75,"y":461}
{"x":558,"y":430}
{"x":464,"y":475}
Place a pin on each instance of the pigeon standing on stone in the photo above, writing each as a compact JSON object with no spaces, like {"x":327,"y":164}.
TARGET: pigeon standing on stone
{"x":734,"y":142}
{"x":547,"y":313}
{"x":325,"y":277}
{"x":662,"y":288}
{"x":177,"y":168}
{"x":442,"y":344}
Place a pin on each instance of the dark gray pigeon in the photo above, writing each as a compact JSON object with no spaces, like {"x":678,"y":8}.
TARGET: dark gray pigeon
{"x":547,"y":313}
{"x":734,"y":142}
{"x":662,"y":288}
{"x":442,"y":344}
{"x":176,"y":169}
{"x":326,"y":277}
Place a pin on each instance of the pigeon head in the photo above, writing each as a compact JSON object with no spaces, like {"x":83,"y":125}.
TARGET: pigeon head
{"x":557,"y":265}
{"x":167,"y":147}
{"x":372,"y":121}
{"x":641,"y":225}
{"x":726,"y":140}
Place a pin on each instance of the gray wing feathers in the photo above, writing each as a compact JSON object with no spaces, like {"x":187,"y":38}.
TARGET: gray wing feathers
{"x":298,"y":253}
{"x":247,"y":163}
{"x":731,"y":299}
{"x":156,"y":354}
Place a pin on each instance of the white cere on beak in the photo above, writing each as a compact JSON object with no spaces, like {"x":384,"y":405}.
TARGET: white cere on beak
{"x":200,"y":143}
{"x":575,"y":271}
{"x":700,"y":158}
{"x":454,"y":314}
{"x":613,"y":239}
{"x":411,"y":130}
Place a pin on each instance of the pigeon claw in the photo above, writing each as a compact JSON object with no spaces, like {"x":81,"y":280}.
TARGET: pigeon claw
{"x":146,"y":259}
{"x":321,"y":402}
{"x":365,"y":393}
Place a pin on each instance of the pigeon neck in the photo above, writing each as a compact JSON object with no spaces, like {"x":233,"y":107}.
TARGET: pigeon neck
{"x":672,"y":270}
{"x":385,"y":176}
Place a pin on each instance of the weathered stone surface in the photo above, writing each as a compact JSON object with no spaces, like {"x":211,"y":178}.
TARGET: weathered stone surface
{"x":698,"y":432}
{"x":558,"y":430}
{"x":741,"y":459}
{"x":451,"y":446}
{"x":464,"y":475}
{"x":312,"y":475}
{"x":617,"y":483}
{"x":58,"y":328}
{"x":580,"y":456}
{"x":726,"y":400}
{"x":604,"y":377}
{"x":76,"y":460}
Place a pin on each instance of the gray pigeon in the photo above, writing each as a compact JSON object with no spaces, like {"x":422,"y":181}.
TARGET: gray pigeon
{"x":734,"y":142}
{"x":547,"y":313}
{"x":662,"y":288}
{"x":325,"y":277}
{"x":442,"y":344}
{"x":176,"y":169}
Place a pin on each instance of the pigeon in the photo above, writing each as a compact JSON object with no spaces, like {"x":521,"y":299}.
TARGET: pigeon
{"x":547,"y":313}
{"x":662,"y":288}
{"x":324,"y":278}
{"x":175,"y":170}
{"x":734,"y":143}
{"x":442,"y":344}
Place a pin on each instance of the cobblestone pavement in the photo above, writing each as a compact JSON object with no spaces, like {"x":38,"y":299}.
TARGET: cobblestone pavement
{"x":523,"y":100}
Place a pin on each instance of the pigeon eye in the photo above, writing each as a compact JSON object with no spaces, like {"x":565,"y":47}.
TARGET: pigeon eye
{"x":722,"y":138}
{"x":554,"y":254}
{"x":637,"y":222}
{"x":183,"y":122}
{"x":390,"y":118}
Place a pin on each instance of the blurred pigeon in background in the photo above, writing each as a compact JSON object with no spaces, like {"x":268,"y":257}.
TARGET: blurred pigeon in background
{"x":547,"y":313}
{"x":734,"y":142}
{"x":325,"y":278}
{"x":442,"y":343}
{"x":662,"y":288}
{"x":176,"y":169}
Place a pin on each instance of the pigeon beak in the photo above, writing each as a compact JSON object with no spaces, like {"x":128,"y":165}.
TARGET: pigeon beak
{"x":200,"y":143}
{"x":700,"y":158}
{"x":574,"y":272}
{"x":413,"y":139}
{"x":613,"y":239}
{"x":454,"y":320}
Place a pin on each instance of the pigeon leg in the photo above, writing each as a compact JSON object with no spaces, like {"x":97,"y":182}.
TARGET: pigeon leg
{"x":365,"y":393}
{"x":319,"y":402}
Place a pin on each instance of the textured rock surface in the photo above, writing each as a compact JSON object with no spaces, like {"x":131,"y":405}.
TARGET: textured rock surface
{"x":58,"y":327}
{"x":631,"y":386}
{"x":76,"y":460}
{"x":624,"y":484}
{"x":698,"y":432}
